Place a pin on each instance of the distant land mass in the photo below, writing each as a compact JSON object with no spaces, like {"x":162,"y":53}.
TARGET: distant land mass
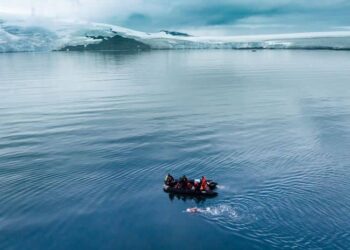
{"x":115,"y":43}
{"x":18,"y":34}
{"x":175,"y":33}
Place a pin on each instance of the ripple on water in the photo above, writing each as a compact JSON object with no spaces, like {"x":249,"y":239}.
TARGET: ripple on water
{"x":87,"y":134}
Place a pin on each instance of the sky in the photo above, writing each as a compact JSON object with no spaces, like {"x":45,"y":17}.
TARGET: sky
{"x":198,"y":17}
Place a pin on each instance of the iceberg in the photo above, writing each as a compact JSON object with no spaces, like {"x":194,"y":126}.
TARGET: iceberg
{"x":42,"y":34}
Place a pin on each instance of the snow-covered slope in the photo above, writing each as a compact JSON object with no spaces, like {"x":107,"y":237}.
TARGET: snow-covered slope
{"x":38,"y":34}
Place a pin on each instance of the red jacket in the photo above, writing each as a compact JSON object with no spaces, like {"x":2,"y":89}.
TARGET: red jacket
{"x":204,"y":183}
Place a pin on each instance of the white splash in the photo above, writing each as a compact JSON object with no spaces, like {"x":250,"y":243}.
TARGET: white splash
{"x":222,"y":187}
{"x":216,"y":211}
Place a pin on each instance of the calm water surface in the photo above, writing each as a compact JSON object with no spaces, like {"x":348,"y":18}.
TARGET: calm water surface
{"x":86,"y":139}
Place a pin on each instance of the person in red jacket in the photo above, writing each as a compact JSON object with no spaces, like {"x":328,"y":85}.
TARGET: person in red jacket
{"x":204,"y":184}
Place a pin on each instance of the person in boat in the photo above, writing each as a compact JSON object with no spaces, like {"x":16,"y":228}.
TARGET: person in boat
{"x":196,"y":185}
{"x":189,"y":185}
{"x":204,"y":184}
{"x":183,"y":182}
{"x":169,"y":180}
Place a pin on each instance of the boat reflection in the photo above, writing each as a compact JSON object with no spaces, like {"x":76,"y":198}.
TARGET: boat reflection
{"x":196,"y":199}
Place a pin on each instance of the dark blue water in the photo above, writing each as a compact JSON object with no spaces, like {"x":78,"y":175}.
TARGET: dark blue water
{"x":86,"y":139}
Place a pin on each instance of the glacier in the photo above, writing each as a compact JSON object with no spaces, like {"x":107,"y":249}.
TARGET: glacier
{"x":31,"y":34}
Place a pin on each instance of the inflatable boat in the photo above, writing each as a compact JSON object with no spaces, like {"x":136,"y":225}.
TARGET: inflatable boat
{"x":190,"y":192}
{"x":211,"y":184}
{"x":172,"y":187}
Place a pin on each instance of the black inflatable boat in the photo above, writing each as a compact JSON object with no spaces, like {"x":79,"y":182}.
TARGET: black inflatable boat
{"x":211,"y":184}
{"x":173,"y":188}
{"x":191,"y":192}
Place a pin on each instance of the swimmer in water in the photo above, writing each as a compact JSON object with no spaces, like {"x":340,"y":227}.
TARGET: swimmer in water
{"x":193,"y":210}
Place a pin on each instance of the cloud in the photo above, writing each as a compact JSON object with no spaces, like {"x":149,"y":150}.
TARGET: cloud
{"x":137,"y":20}
{"x":227,"y":16}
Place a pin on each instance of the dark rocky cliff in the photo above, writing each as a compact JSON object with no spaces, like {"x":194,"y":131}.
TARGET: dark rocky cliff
{"x":115,"y":43}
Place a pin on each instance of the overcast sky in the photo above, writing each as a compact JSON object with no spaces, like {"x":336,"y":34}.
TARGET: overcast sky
{"x":202,"y":17}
